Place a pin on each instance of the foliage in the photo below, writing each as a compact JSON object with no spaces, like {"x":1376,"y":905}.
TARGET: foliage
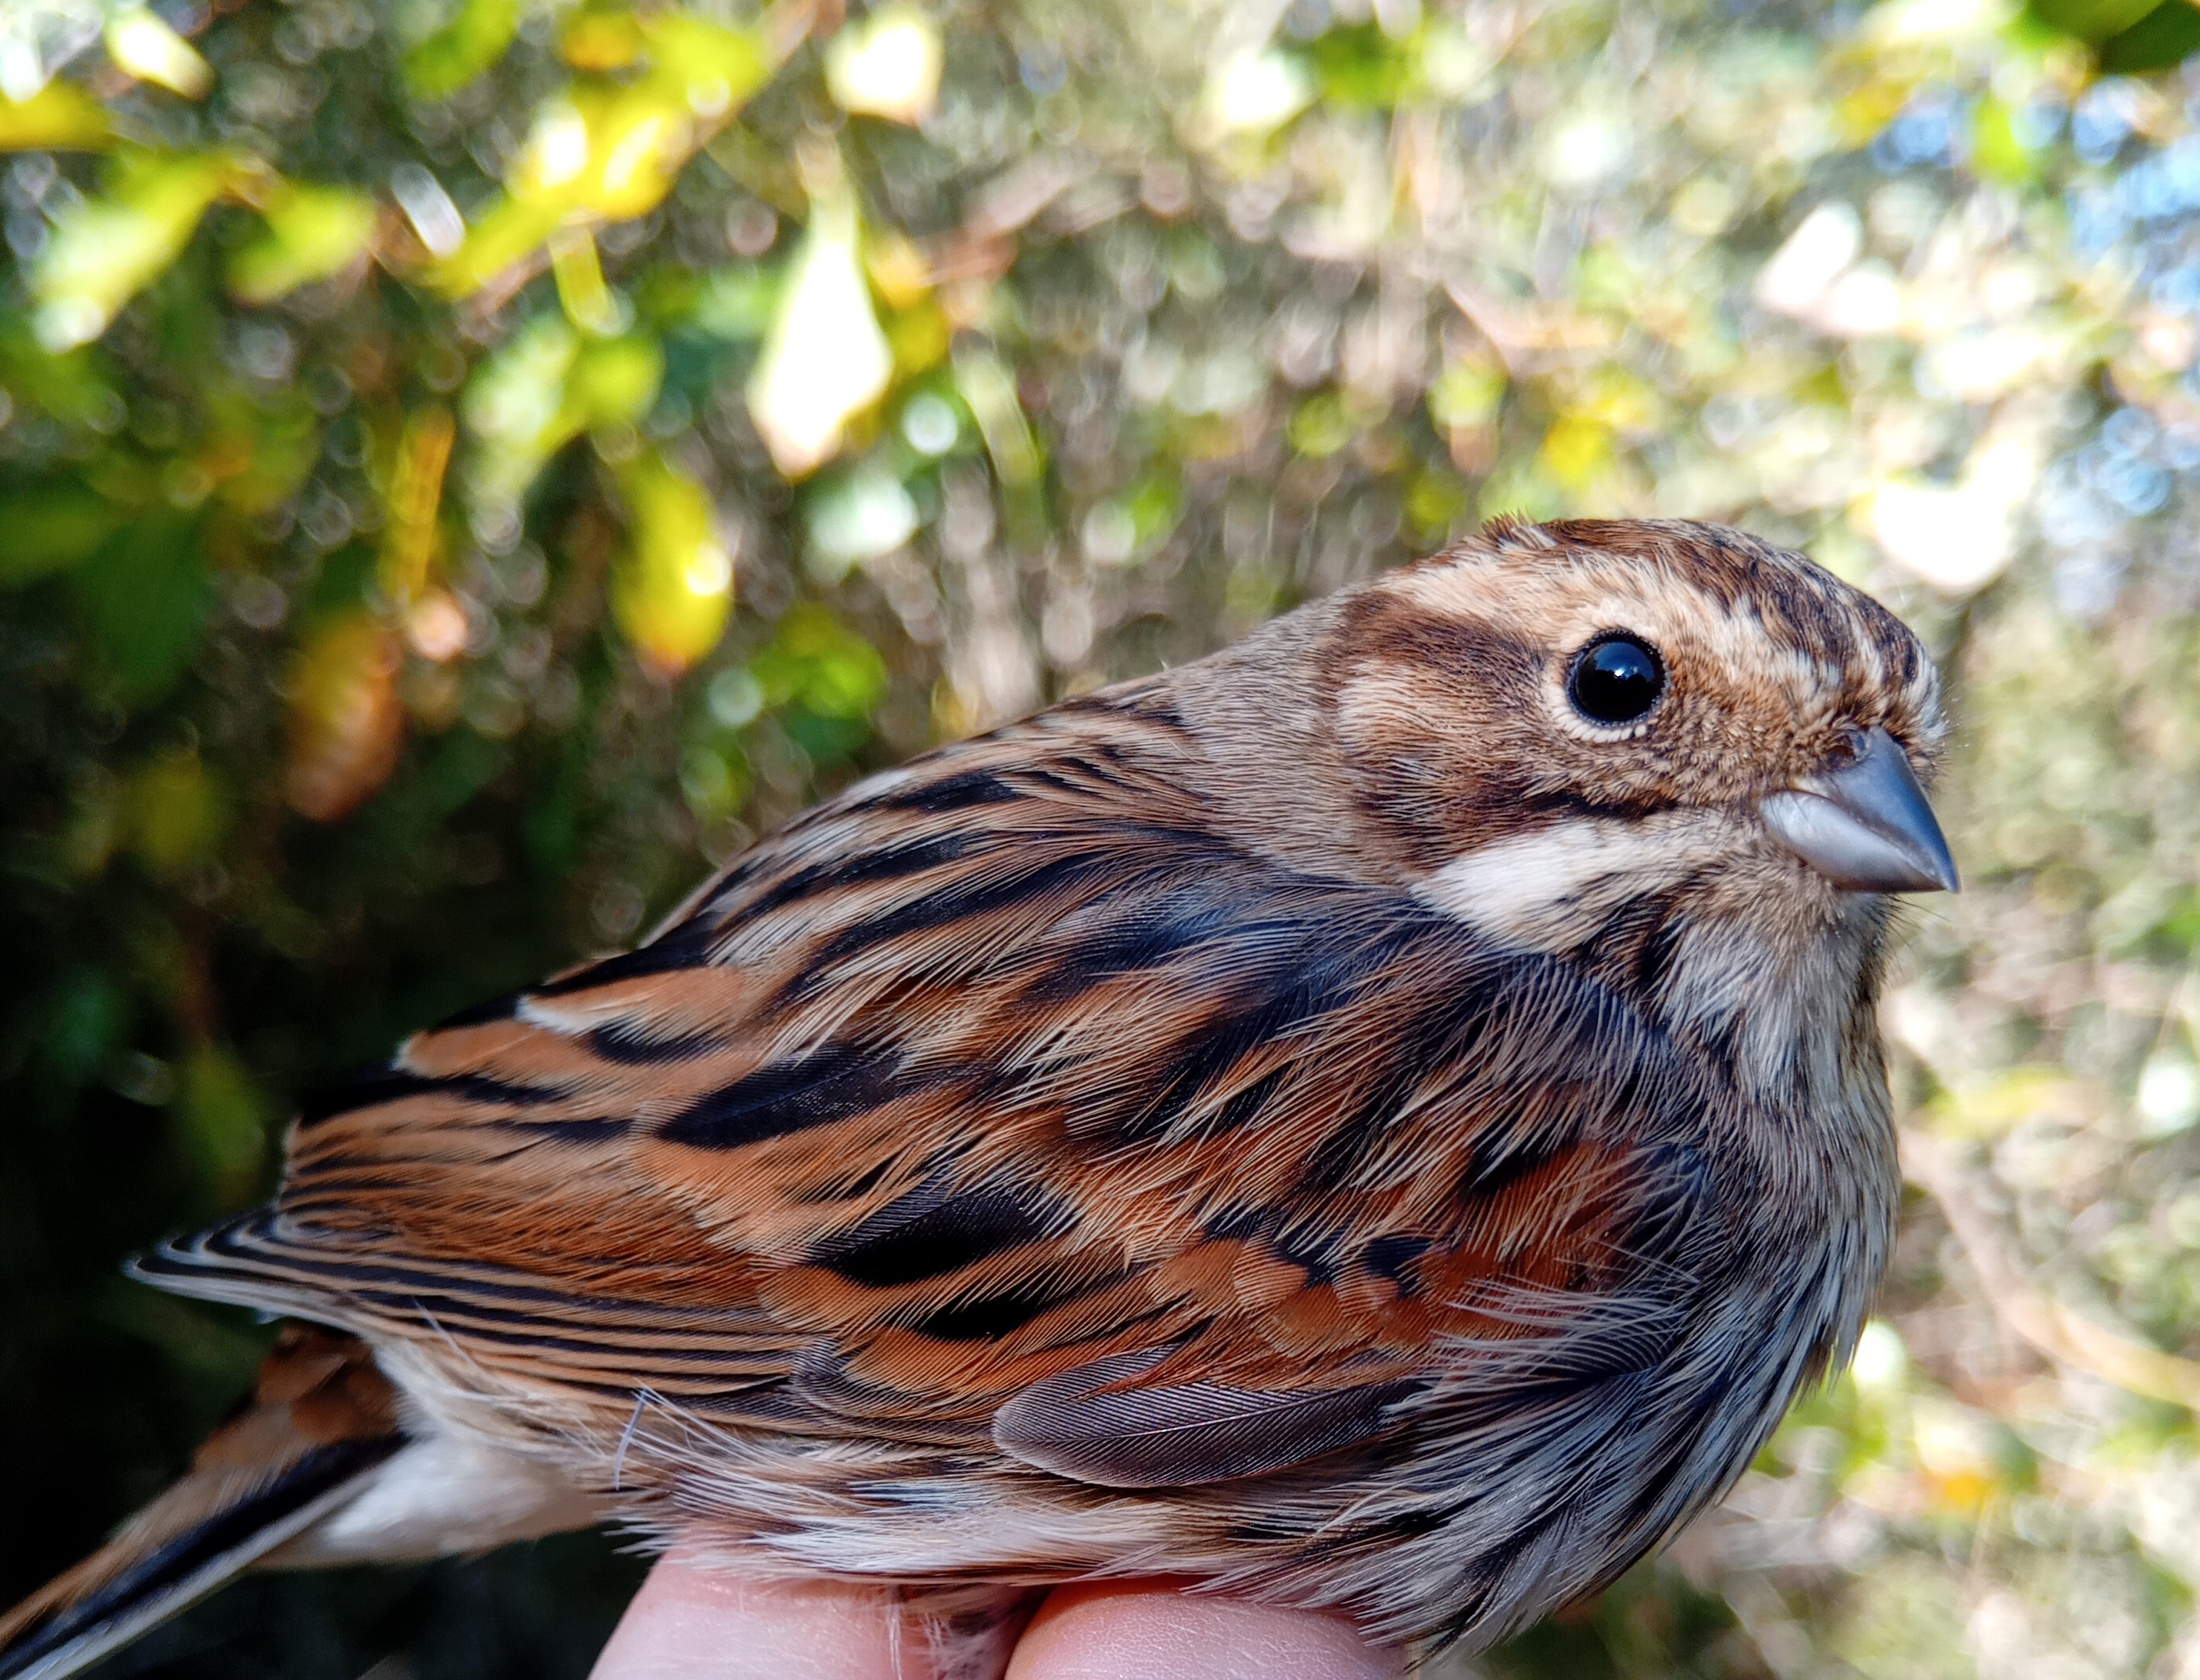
{"x":466,"y":470}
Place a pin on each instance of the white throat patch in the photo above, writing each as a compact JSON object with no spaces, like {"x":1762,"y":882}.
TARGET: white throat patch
{"x":1551,"y":889}
{"x":1775,"y":990}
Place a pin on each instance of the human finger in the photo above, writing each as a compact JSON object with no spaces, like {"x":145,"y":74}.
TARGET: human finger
{"x":1139,"y":1631}
{"x":693,"y":1620}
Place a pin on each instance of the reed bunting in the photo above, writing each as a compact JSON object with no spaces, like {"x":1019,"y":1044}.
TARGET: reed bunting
{"x":1382,"y":1119}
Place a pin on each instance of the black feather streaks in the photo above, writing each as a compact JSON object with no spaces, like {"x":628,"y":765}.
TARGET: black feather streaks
{"x":172,"y":1574}
{"x":1394,"y":1256}
{"x":864,"y":869}
{"x":392,"y":1084}
{"x":1633,"y":948}
{"x":831,"y":1083}
{"x":957,"y":790}
{"x":1276,"y":980}
{"x":1140,"y":928}
{"x":987,"y":1317}
{"x":686,"y":945}
{"x":627,"y":1043}
{"x":1499,"y":1157}
{"x":934,"y":1231}
{"x":1006,"y":884}
{"x":604,"y":1344}
{"x":482,"y":1014}
{"x":1671,"y":1221}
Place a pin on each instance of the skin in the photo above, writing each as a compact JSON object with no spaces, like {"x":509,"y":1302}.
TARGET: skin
{"x":690,"y":1622}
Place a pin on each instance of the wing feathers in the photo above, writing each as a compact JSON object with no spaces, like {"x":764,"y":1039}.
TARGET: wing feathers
{"x":1094,"y":1423}
{"x":322,"y":1418}
{"x":978,"y":1079}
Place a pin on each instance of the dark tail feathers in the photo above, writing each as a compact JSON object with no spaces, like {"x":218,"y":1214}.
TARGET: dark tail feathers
{"x":320,"y":1417}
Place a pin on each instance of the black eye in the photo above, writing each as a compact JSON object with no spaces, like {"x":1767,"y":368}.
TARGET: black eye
{"x":1616,"y":681}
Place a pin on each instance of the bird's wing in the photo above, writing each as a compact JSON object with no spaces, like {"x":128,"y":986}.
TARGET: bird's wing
{"x":1003,"y":1100}
{"x":320,"y":1422}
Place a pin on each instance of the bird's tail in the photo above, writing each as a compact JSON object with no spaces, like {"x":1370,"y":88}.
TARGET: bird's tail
{"x":321,"y":1418}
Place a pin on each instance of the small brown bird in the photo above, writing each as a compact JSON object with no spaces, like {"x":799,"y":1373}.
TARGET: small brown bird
{"x":1382,"y":1118}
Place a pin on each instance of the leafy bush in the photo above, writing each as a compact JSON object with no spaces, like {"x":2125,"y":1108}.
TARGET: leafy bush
{"x":469,"y":467}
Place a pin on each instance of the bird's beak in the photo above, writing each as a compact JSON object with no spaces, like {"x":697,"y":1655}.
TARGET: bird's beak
{"x":1865,"y":827}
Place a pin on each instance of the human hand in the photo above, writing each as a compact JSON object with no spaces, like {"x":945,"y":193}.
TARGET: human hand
{"x":694,"y":1622}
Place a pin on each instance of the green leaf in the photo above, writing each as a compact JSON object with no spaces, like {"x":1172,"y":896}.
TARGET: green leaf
{"x":508,"y":232}
{"x":544,"y":388}
{"x":52,"y":527}
{"x":674,"y":586}
{"x":2091,"y":20}
{"x":1997,"y":152}
{"x":2167,"y":36}
{"x":1360,"y":67}
{"x":816,"y":662}
{"x":66,"y":385}
{"x":106,"y":250}
{"x":85,"y":1025}
{"x":178,"y":814}
{"x":462,"y":49}
{"x":225,"y":1120}
{"x":614,"y":380}
{"x":142,"y":600}
{"x":708,"y":64}
{"x":311,"y":233}
{"x":59,"y":117}
{"x":821,"y":738}
{"x":737,"y":303}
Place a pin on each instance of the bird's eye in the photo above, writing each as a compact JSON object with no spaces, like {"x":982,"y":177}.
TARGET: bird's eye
{"x":1615,"y":680}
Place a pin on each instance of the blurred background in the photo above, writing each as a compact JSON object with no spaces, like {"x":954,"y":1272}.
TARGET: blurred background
{"x":467,"y":466}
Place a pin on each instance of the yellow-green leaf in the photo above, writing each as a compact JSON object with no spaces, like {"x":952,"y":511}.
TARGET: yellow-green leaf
{"x":469,"y":44}
{"x":600,"y":152}
{"x":311,"y":233}
{"x":990,"y":391}
{"x":59,"y":117}
{"x":51,"y":528}
{"x":715,"y":68}
{"x":614,"y":380}
{"x":107,"y":249}
{"x":177,"y":814}
{"x":224,"y":1117}
{"x":600,"y":40}
{"x":674,"y":586}
{"x":827,"y":359}
{"x":506,"y":233}
{"x":142,"y":44}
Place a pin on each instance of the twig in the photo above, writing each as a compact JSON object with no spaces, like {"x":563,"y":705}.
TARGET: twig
{"x":2113,"y":1354}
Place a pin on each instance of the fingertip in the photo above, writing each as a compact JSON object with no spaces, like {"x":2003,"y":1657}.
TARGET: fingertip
{"x":1138,"y":1631}
{"x":696,"y":1620}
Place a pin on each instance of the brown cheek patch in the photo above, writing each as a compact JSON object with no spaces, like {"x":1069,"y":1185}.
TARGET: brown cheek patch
{"x":1769,"y":657}
{"x":1420,"y":778}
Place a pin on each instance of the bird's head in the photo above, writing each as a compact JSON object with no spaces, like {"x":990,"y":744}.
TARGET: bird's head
{"x":1685,"y":756}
